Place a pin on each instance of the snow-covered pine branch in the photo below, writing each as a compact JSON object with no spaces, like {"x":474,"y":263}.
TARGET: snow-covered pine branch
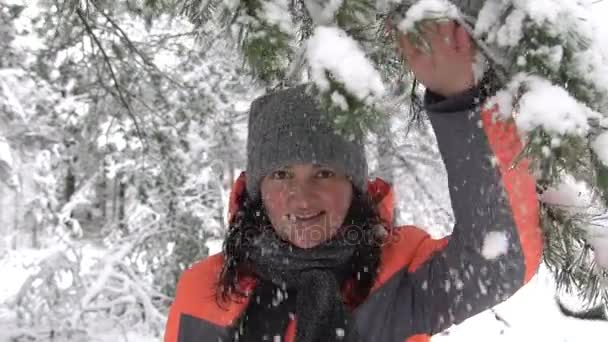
{"x":330,"y":43}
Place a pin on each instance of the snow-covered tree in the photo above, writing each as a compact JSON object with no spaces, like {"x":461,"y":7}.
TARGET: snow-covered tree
{"x":137,"y":136}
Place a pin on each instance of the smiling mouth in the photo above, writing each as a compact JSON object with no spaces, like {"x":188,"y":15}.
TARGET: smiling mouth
{"x":305,"y":218}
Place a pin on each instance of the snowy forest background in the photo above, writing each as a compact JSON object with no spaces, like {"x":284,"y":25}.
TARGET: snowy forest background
{"x":120,"y":135}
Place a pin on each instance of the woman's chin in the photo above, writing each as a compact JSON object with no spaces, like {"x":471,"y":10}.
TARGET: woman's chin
{"x":306,"y":243}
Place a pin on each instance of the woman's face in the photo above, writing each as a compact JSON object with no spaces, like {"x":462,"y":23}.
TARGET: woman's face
{"x":306,"y":203}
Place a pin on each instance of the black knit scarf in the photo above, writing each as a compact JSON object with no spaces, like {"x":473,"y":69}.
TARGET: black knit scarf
{"x":300,"y":282}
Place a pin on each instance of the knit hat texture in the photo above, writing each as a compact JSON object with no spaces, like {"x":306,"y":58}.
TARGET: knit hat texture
{"x":288,"y":127}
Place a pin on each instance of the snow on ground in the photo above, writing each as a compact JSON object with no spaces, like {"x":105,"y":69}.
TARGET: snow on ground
{"x":17,"y":266}
{"x":532,"y":315}
{"x":427,"y":9}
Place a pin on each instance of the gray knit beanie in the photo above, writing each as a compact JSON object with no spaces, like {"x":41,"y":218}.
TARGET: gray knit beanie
{"x":287,"y":127}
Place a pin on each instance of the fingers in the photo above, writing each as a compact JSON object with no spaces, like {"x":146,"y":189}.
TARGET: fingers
{"x":447,"y":30}
{"x":448,"y":38}
{"x":441,"y":35}
{"x":430,"y":30}
{"x":463,"y":40}
{"x":408,"y":48}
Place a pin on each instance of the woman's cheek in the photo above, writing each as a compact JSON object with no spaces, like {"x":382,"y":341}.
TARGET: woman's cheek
{"x":340,"y":203}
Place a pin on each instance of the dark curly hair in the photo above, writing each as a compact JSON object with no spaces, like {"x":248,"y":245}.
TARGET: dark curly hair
{"x":251,"y":219}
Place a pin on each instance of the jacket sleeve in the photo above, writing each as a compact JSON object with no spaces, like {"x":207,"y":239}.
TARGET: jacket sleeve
{"x":172,"y":325}
{"x":496,"y":243}
{"x":195,"y":314}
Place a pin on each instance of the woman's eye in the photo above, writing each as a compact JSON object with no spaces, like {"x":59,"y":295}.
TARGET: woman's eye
{"x":325,"y":174}
{"x":281,"y":174}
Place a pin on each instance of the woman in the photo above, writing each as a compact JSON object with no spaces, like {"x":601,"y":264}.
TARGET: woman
{"x":311,"y":254}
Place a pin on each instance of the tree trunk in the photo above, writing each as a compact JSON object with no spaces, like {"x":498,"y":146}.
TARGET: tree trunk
{"x":70,"y":184}
{"x":102,"y":193}
{"x":35,"y":242}
{"x":114,"y":197}
{"x":171,"y":210}
{"x":17,"y":212}
{"x":122,"y":190}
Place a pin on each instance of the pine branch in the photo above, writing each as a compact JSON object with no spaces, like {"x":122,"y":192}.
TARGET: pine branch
{"x":356,"y":17}
{"x":598,"y":313}
{"x":296,"y":66}
{"x":200,"y":12}
{"x":568,"y":255}
{"x":500,"y":318}
{"x":267,"y":54}
{"x":133,"y":48}
{"x":112,"y":73}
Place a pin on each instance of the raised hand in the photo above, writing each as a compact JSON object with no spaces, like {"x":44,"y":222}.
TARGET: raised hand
{"x":447,"y":69}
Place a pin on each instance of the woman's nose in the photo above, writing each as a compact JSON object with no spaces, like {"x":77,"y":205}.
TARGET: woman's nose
{"x":300,"y":195}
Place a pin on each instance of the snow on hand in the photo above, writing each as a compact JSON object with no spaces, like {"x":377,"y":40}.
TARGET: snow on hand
{"x":331,"y":50}
{"x":427,"y":9}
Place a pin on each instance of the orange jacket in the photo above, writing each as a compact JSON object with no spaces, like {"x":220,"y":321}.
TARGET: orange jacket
{"x":424,"y":285}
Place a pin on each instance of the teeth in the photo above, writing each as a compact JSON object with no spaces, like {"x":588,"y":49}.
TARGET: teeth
{"x":294,"y":218}
{"x":306,"y":217}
